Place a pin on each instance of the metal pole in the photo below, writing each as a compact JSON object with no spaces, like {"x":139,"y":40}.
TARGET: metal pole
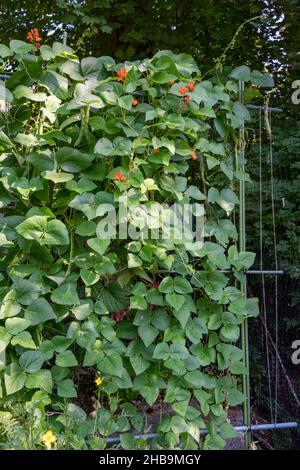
{"x":242,"y":245}
{"x":270,"y":271}
{"x":272,"y":110}
{"x":203,"y":432}
{"x":254,"y":271}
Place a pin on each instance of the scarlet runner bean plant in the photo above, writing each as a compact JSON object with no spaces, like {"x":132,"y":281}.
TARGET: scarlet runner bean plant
{"x":155,"y":315}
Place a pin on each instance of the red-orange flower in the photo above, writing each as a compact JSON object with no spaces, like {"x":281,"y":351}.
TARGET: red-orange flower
{"x":191,"y":86}
{"x":135,"y":102}
{"x":171,"y":83}
{"x":183,"y":90}
{"x":184,"y":105}
{"x":119,"y":176}
{"x":122,"y":72}
{"x":33,"y":36}
{"x":187,"y":99}
{"x":194,"y":157}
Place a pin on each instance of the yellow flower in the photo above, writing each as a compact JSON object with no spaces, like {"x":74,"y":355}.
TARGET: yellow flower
{"x":98,"y":380}
{"x":49,"y":439}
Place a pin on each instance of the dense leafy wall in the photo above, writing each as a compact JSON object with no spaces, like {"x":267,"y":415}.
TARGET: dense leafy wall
{"x":153,"y":315}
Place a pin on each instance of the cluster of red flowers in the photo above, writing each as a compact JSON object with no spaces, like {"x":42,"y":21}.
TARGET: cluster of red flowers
{"x":119,"y":176}
{"x":122,"y":73}
{"x":120,"y":315}
{"x":33,"y":36}
{"x":184,"y":90}
{"x":194,"y":156}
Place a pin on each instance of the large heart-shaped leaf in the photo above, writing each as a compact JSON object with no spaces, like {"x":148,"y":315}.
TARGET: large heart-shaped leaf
{"x":45,"y":232}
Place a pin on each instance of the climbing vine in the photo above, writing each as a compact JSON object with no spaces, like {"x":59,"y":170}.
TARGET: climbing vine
{"x":160,"y":315}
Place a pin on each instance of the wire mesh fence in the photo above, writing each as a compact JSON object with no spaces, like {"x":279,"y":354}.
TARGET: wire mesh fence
{"x":274,"y":335}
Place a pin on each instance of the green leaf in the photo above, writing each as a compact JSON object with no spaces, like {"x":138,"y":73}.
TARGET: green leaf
{"x":25,"y":92}
{"x":242,"y":176}
{"x":262,"y":79}
{"x":39,"y":311}
{"x":86,"y":229}
{"x":41,"y":379}
{"x":148,"y":334}
{"x":195,"y":378}
{"x":235,"y":397}
{"x":16,"y":325}
{"x":175,"y":300}
{"x":100,"y":246}
{"x":247,"y":307}
{"x":182,"y":315}
{"x":195,"y":329}
{"x":83,"y":310}
{"x":181,"y":407}
{"x":66,"y":359}
{"x":26,"y":290}
{"x":4,"y":51}
{"x":241,"y":73}
{"x":111,"y":365}
{"x":114,"y":297}
{"x":10,"y":307}
{"x":167,"y":285}
{"x":195,"y":193}
{"x":163,"y":77}
{"x":105,"y":267}
{"x":66,"y":389}
{"x":57,"y":177}
{"x":81,"y":186}
{"x":238,"y":368}
{"x":56,"y":83}
{"x":104,"y":147}
{"x":138,"y":303}
{"x":89,"y":277}
{"x":20,"y":47}
{"x":227,"y":431}
{"x":230,"y":332}
{"x":5,"y":142}
{"x":161,"y":158}
{"x":160,"y":319}
{"x":85,"y":203}
{"x":24,"y":339}
{"x":207,"y":111}
{"x":66,"y":294}
{"x":38,"y":228}
{"x":161,"y":351}
{"x":139,"y":364}
{"x":182,"y":286}
{"x":31,"y":361}
{"x":14,"y":379}
{"x":246,"y":258}
{"x":4,"y":340}
{"x":178,"y":424}
{"x":72,"y":160}
{"x":125,"y":102}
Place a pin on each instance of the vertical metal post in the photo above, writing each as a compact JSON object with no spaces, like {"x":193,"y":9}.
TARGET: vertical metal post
{"x":65,"y":35}
{"x":242,"y":246}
